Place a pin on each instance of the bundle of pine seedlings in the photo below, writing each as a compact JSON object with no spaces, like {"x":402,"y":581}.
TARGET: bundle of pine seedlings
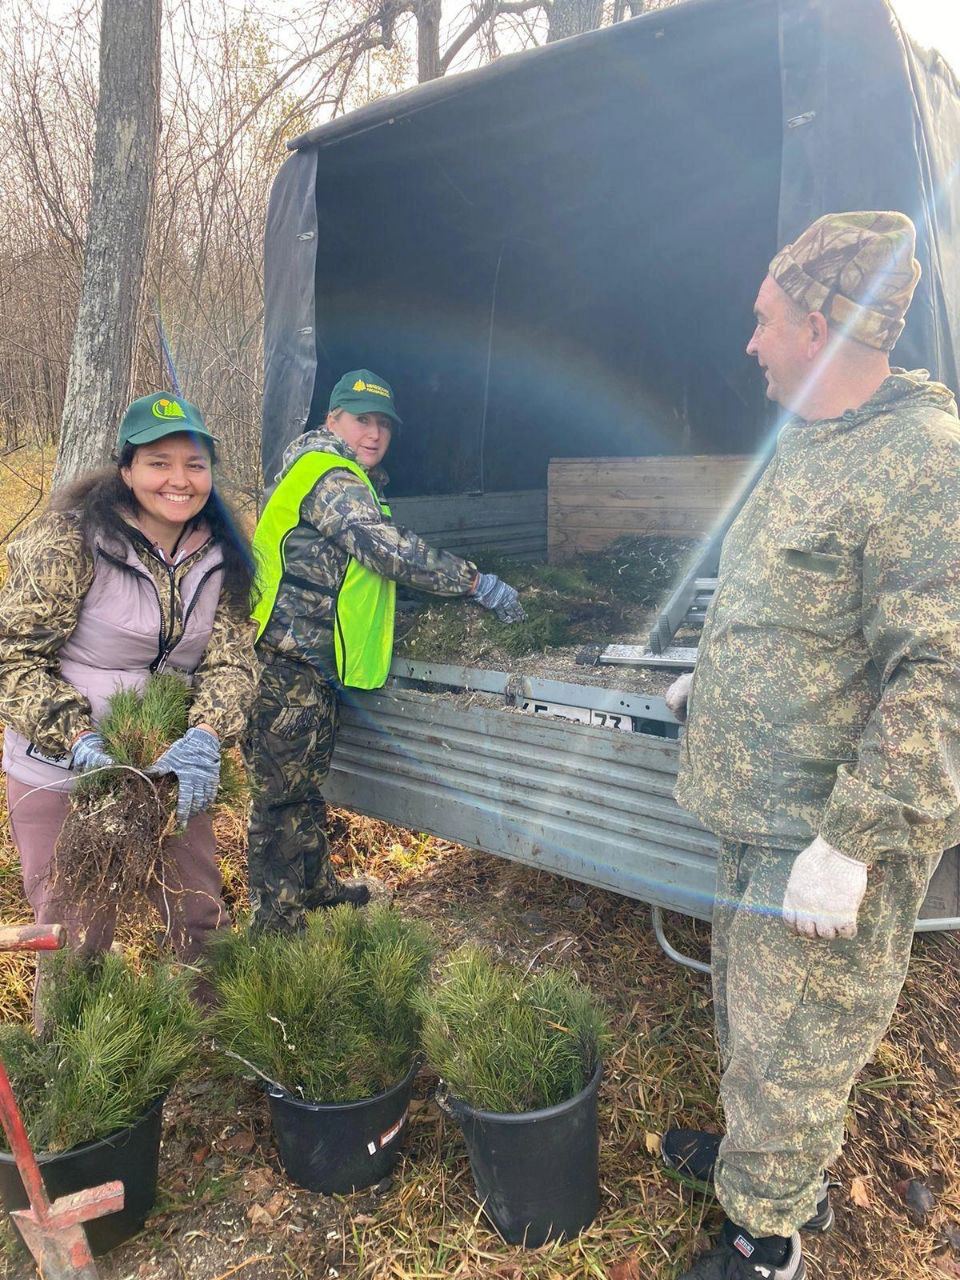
{"x":509,"y":1041}
{"x":568,"y":604}
{"x":113,"y":1041}
{"x":327,"y":1015}
{"x":109,"y":850}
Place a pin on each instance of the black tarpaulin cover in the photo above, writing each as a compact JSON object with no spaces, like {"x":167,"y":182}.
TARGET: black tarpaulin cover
{"x":557,"y":255}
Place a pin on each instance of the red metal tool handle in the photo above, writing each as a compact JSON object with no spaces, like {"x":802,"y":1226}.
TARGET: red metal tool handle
{"x":32,"y":937}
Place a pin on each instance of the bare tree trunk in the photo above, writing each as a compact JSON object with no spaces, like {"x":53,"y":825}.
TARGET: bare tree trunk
{"x":428,"y":39}
{"x":573,"y":17}
{"x":124,"y":165}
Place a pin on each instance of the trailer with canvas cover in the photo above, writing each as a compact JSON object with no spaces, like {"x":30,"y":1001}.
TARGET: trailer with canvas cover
{"x":555,"y":257}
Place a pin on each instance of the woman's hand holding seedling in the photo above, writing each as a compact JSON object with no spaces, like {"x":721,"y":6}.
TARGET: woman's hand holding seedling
{"x":195,"y":759}
{"x":89,"y":752}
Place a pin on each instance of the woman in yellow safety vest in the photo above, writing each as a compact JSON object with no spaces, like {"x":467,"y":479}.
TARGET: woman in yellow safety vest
{"x":328,"y":560}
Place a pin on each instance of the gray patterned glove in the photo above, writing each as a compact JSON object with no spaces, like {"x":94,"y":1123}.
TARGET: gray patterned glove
{"x":195,"y":759}
{"x":90,"y":753}
{"x":492,"y":593}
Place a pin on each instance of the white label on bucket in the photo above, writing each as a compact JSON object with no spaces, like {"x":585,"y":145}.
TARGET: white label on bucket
{"x":392,"y":1132}
{"x":372,"y":1148}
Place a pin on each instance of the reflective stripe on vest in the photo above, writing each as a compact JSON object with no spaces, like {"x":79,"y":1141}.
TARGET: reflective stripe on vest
{"x":365,"y":605}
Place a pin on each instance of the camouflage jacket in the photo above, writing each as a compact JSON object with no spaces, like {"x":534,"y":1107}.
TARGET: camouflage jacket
{"x":51,"y":567}
{"x":826,"y":696}
{"x":340,"y":519}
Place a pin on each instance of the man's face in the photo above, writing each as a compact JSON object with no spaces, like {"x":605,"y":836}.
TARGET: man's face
{"x":367,"y":434}
{"x":781,"y":344}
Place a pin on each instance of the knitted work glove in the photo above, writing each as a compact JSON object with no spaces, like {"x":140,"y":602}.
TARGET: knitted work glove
{"x":195,"y":759}
{"x":492,"y":593}
{"x":90,"y":753}
{"x":824,"y":892}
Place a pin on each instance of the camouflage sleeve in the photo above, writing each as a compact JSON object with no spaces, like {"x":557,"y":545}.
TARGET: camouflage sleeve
{"x":49,"y":573}
{"x":343,"y":509}
{"x":225,"y":683}
{"x":903,"y":793}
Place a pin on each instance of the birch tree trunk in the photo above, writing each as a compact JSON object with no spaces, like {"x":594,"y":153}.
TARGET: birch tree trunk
{"x":124,"y":164}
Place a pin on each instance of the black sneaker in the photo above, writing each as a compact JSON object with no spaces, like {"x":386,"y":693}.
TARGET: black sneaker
{"x":738,"y":1261}
{"x":693,"y":1153}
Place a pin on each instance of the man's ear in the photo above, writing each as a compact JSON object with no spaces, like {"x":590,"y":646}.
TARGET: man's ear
{"x":818,"y":332}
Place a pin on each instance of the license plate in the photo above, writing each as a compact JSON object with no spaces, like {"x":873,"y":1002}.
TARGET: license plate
{"x":579,"y":715}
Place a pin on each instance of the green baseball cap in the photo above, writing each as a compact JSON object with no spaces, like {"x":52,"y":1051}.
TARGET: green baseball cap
{"x":361,"y":391}
{"x":162,"y":414}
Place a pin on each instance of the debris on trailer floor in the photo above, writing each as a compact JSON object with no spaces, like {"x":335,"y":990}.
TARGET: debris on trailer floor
{"x":595,"y":599}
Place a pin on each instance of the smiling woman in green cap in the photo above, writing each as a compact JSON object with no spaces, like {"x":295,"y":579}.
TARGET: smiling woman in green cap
{"x":328,"y":560}
{"x":134,"y":569}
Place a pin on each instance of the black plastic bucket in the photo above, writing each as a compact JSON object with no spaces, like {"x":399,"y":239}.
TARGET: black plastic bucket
{"x":336,"y":1147}
{"x":536,"y":1172}
{"x":132,"y":1155}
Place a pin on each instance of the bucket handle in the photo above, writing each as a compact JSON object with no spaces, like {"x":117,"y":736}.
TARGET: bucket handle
{"x":442,"y":1095}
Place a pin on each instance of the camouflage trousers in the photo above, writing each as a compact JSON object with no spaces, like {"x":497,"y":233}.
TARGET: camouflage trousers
{"x":796,"y":1020}
{"x":288,"y":747}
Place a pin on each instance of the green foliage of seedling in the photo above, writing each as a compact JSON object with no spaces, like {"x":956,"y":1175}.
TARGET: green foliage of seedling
{"x":137,"y":728}
{"x":507,"y":1041}
{"x":328,"y":1014}
{"x":113,"y":1041}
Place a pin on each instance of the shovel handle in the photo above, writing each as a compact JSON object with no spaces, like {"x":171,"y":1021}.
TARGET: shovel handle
{"x":32,"y":937}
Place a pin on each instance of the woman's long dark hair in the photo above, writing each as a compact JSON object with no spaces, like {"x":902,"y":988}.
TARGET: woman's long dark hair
{"x":102,"y":499}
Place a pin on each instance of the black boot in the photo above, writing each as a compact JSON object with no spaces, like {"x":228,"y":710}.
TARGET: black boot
{"x":742,"y":1256}
{"x":693,"y":1153}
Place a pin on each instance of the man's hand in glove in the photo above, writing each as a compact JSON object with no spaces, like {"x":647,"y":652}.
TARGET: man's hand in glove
{"x":824,"y":892}
{"x":90,"y":753}
{"x":491,"y":593}
{"x":195,"y":759}
{"x":677,"y":695}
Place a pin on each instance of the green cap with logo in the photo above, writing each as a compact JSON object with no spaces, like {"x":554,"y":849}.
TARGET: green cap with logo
{"x":162,"y":414}
{"x":361,"y":391}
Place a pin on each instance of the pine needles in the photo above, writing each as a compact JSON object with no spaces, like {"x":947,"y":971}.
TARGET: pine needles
{"x":113,"y":1041}
{"x":110,"y":846}
{"x":328,"y":1015}
{"x":507,"y":1042}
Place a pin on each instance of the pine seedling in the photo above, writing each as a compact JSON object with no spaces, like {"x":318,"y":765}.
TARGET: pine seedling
{"x":113,"y":1042}
{"x":510,"y":1042}
{"x":327,"y":1015}
{"x":110,"y":847}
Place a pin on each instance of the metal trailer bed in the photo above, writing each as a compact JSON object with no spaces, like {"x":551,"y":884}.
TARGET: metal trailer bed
{"x":587,"y":801}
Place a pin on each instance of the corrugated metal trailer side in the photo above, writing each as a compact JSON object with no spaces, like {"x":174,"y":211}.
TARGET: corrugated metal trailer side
{"x":588,"y":802}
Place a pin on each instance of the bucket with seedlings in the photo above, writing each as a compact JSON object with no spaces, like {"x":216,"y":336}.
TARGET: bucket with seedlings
{"x":519,"y":1056}
{"x":327,"y":1020}
{"x":111,"y":845}
{"x":91,"y":1085}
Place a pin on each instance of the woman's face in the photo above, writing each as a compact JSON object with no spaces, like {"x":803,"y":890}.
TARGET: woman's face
{"x":170,"y":479}
{"x":367,"y":434}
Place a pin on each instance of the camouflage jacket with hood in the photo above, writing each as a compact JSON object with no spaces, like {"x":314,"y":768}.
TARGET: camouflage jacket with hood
{"x":51,"y":568}
{"x":826,"y":696}
{"x":340,"y":519}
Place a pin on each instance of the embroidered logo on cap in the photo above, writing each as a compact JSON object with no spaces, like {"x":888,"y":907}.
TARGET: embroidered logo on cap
{"x":360,"y":385}
{"x":167,"y":409}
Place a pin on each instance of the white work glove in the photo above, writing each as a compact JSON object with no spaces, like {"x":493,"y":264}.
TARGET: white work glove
{"x":824,"y":892}
{"x":677,"y":695}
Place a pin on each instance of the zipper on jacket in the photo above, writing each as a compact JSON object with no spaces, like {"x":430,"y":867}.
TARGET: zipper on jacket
{"x":161,"y":659}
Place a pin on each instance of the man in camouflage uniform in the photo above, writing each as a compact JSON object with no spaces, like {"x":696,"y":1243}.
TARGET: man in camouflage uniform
{"x":293,"y":728}
{"x":823,"y":728}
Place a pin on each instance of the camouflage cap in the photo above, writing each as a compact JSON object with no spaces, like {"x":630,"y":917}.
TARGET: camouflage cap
{"x":858,"y":269}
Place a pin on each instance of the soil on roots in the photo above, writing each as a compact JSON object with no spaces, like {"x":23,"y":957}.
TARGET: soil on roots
{"x":108,"y":851}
